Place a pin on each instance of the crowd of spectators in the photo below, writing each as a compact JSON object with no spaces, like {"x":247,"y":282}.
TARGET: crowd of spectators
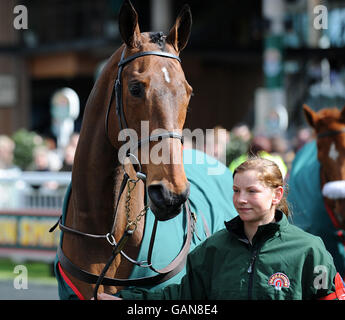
{"x":7,"y":146}
{"x":240,"y":142}
{"x":28,"y":151}
{"x":231,"y":148}
{"x":45,"y":156}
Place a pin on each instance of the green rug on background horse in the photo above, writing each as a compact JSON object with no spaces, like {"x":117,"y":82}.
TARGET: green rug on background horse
{"x":307,"y":204}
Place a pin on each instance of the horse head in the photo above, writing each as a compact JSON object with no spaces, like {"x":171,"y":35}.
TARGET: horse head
{"x":153,"y":96}
{"x":329,"y":125}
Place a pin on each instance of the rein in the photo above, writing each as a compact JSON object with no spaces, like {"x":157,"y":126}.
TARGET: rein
{"x":178,"y":263}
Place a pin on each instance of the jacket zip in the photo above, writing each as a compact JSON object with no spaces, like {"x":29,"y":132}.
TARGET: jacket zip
{"x":251,"y":273}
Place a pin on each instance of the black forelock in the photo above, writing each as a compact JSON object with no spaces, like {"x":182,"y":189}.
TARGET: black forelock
{"x":159,"y":39}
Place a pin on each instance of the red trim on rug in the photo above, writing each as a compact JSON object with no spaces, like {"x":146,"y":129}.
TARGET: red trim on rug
{"x":331,"y":296}
{"x":69,"y":282}
{"x":332,"y":216}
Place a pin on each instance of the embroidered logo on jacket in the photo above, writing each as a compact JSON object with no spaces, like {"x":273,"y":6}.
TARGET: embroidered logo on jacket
{"x":279,"y":280}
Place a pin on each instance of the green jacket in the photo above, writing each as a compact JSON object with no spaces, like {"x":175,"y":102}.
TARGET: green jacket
{"x":283,"y":262}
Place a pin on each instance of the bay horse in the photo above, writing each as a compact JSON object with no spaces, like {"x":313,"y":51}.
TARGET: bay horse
{"x":111,"y":204}
{"x":317,"y":182}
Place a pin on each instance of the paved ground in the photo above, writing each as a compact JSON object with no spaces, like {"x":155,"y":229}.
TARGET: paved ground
{"x":35,"y":291}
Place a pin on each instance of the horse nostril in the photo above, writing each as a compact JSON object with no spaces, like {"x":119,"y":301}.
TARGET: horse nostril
{"x":156,"y":194}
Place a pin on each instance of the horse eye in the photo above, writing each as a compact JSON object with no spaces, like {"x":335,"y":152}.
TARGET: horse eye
{"x":136,"y":89}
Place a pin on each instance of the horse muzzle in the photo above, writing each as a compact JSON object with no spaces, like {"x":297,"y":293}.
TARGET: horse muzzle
{"x":164,"y":203}
{"x":335,"y":191}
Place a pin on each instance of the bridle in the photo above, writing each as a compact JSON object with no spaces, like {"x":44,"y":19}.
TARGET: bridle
{"x":178,"y":263}
{"x":330,"y":133}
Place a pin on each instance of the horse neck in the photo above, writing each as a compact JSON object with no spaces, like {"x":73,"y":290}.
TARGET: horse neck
{"x":93,"y":182}
{"x":96,"y":179}
{"x":97,"y":173}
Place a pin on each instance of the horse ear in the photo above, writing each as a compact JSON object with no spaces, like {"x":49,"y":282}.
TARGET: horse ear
{"x":128,"y":25}
{"x":180,"y":32}
{"x":310,"y":115}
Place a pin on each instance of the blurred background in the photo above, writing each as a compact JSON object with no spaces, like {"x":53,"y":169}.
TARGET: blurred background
{"x":252,"y":65}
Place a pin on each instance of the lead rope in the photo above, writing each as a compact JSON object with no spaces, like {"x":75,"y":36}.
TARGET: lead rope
{"x":141,"y":214}
{"x":117,"y":247}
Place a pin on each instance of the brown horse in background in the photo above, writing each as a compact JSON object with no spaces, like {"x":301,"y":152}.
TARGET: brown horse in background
{"x":154,"y":89}
{"x":317,"y":182}
{"x":329,"y":126}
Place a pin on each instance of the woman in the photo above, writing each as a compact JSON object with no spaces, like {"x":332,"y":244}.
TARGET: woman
{"x":259,"y":255}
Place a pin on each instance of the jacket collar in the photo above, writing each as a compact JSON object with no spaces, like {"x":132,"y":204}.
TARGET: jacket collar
{"x":236,"y":228}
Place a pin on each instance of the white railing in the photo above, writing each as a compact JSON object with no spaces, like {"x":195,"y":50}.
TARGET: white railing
{"x":28,"y":189}
{"x":30,"y":203}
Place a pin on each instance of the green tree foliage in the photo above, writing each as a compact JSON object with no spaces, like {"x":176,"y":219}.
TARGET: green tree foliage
{"x":235,"y":148}
{"x":25,"y":141}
